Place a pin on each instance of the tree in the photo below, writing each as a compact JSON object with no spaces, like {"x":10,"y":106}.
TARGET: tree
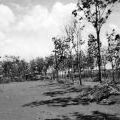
{"x":7,"y":66}
{"x":33,"y":66}
{"x":75,"y":41}
{"x":113,"y":50}
{"x":92,"y":52}
{"x":60,"y":53}
{"x":48,"y":62}
{"x":37,"y":65}
{"x":70,"y":31}
{"x":14,"y":69}
{"x":40,"y":63}
{"x":96,"y":12}
{"x":23,"y":69}
{"x":92,"y":49}
{"x":104,"y":59}
{"x":82,"y":62}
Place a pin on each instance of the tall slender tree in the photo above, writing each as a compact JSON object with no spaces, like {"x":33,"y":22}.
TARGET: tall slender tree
{"x":60,"y":53}
{"x":74,"y":38}
{"x":92,"y":51}
{"x":104,"y":60}
{"x":96,"y":12}
{"x":113,"y":50}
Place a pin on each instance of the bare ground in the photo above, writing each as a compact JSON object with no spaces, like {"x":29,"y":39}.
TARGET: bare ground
{"x":50,"y":101}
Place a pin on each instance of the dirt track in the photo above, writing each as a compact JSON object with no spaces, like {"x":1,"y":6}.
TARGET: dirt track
{"x":36,"y":101}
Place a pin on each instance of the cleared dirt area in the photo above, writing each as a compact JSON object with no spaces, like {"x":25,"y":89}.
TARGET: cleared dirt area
{"x":43,"y":100}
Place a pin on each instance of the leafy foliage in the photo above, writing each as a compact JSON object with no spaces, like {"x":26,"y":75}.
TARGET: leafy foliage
{"x":96,"y":12}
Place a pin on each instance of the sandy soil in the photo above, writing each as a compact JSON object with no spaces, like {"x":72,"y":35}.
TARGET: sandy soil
{"x":34,"y":101}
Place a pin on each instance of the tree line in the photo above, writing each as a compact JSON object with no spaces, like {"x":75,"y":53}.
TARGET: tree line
{"x":68,"y":59}
{"x":15,"y":69}
{"x":95,"y":12}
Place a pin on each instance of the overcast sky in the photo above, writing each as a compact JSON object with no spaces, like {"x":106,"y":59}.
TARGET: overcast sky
{"x":27,"y":26}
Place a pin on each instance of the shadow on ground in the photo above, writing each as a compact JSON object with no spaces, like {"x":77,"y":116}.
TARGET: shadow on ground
{"x":54,"y":93}
{"x":67,"y":90}
{"x":62,"y":102}
{"x":96,"y":115}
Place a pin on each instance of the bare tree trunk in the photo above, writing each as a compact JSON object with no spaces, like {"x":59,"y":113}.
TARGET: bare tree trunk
{"x":105,"y":72}
{"x":99,"y":56}
{"x":80,"y":75}
{"x":116,"y":70}
{"x":78,"y":61}
{"x":79,"y":67}
{"x":57,"y":77}
{"x":98,"y":41}
{"x":113,"y":76}
{"x":71,"y":72}
{"x":56,"y":67}
{"x":91,"y":74}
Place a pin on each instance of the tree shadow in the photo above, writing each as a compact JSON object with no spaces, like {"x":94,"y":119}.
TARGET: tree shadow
{"x":115,"y":98}
{"x":80,"y":89}
{"x":67,"y":90}
{"x":54,"y":93}
{"x":96,"y":115}
{"x":49,"y":84}
{"x":62,"y":102}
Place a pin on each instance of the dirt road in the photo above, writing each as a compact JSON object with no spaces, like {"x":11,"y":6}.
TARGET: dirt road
{"x":44,"y":101}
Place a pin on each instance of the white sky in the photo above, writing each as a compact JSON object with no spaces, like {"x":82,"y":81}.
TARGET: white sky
{"x":26,"y":27}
